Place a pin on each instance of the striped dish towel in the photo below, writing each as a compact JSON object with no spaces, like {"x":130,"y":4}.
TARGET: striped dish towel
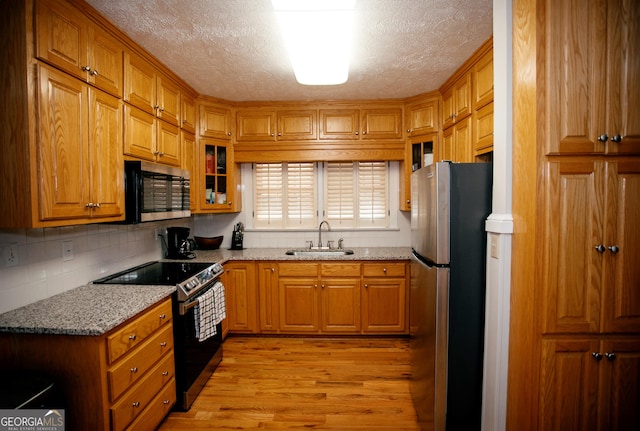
{"x":210,"y":310}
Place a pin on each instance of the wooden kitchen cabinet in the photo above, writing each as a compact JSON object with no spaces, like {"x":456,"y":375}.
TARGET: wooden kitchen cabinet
{"x":355,"y":124}
{"x":591,"y":249}
{"x":590,"y":384}
{"x":190,"y":163}
{"x":112,"y":381}
{"x":482,"y":129}
{"x":423,"y":117}
{"x":269,"y":310}
{"x":241,"y":297}
{"x":456,"y":101}
{"x":421,"y":151}
{"x":482,"y":81}
{"x":277,"y":125}
{"x":592,"y":101}
{"x":148,"y":89}
{"x":298,"y":297}
{"x":218,"y":177}
{"x":340,"y":124}
{"x":340,"y":297}
{"x":215,"y":121}
{"x":65,"y":38}
{"x":384,"y":297}
{"x":80,"y":173}
{"x":456,"y":142}
{"x":148,"y":138}
{"x":188,"y":113}
{"x":383,"y":123}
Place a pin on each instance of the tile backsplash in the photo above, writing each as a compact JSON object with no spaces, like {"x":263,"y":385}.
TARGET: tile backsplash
{"x":42,"y":265}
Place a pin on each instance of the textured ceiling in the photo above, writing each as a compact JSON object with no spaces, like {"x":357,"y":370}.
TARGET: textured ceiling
{"x":232,"y":49}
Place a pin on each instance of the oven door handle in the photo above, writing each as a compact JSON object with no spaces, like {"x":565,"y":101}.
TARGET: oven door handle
{"x":184,"y":306}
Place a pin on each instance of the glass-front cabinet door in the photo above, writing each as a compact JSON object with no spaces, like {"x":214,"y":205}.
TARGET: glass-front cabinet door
{"x":215,"y":191}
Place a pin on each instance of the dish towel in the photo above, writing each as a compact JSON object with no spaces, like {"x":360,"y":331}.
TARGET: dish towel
{"x":210,"y":310}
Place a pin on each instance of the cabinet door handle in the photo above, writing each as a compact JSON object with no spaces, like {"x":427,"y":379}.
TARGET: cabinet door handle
{"x":613,"y":249}
{"x":163,"y":316}
{"x":136,"y":404}
{"x":94,"y":72}
{"x":366,"y":286}
{"x":597,"y":356}
{"x":163,"y":344}
{"x":134,"y":370}
{"x":133,"y":337}
{"x":617,"y":139}
{"x":86,"y":68}
{"x":610,"y":356}
{"x":384,"y":270}
{"x":603,"y":138}
{"x":315,"y":286}
{"x":166,"y":402}
{"x":97,"y":205}
{"x":600,"y":248}
{"x":162,"y":109}
{"x":165,"y":373}
{"x":356,"y":132}
{"x":322,"y":285}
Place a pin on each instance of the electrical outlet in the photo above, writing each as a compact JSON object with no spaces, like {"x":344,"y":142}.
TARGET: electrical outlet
{"x":495,"y":248}
{"x":67,"y":250}
{"x":10,"y":255}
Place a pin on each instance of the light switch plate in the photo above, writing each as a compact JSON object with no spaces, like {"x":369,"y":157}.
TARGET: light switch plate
{"x":67,"y":250}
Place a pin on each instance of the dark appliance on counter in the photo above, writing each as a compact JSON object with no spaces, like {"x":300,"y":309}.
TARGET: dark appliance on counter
{"x":155,"y":192}
{"x":195,"y":360}
{"x":237,"y":237}
{"x":179,"y":246}
{"x":449,"y":205}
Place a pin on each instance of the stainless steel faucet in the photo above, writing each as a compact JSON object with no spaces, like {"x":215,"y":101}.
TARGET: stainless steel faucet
{"x":320,"y":232}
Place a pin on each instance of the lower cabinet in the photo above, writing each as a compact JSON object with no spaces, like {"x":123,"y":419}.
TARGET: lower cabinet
{"x":329,"y":298}
{"x":590,"y":383}
{"x":123,"y":380}
{"x":241,"y":294}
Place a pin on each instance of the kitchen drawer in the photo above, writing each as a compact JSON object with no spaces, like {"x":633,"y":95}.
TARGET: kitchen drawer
{"x":298,"y":270}
{"x":157,"y":410}
{"x":384,"y":269}
{"x":133,"y":334}
{"x":140,"y":396}
{"x":134,"y":366}
{"x":340,"y":270}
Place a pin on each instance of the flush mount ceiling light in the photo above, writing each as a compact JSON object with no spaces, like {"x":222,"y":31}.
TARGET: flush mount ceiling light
{"x":317,"y":35}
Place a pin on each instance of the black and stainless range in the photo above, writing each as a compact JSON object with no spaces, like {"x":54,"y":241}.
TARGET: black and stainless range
{"x":195,"y":360}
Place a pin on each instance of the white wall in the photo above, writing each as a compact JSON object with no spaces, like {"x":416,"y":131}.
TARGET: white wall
{"x":499,"y":229}
{"x":98,"y":250}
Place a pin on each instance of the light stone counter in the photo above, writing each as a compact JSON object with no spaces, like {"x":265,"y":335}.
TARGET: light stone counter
{"x":95,"y":309}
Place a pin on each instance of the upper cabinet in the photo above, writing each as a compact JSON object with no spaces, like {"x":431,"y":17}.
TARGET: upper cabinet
{"x":482,"y":81}
{"x":188,"y":113}
{"x":215,"y":121}
{"x":147,"y":89}
{"x":276,"y":125}
{"x":354,"y":124}
{"x":590,"y":99}
{"x":456,"y":101}
{"x":65,"y":38}
{"x":423,"y":117}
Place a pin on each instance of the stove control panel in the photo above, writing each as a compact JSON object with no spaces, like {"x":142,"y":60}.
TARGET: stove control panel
{"x":199,"y":281}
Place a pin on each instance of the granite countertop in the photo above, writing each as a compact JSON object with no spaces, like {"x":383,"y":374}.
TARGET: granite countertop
{"x":95,"y":309}
{"x":359,"y":253}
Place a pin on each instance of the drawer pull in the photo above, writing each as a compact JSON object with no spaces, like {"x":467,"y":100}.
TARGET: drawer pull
{"x":166,"y":402}
{"x":163,"y":316}
{"x":134,"y":370}
{"x":133,"y":337}
{"x":384,"y":270}
{"x":165,"y":373}
{"x":136,"y":404}
{"x":163,"y":344}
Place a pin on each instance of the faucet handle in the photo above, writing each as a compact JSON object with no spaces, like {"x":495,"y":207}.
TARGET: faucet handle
{"x":310,"y":244}
{"x":340,"y":243}
{"x":330,"y":244}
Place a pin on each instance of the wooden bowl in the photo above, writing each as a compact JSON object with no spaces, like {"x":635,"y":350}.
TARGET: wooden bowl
{"x":205,"y":243}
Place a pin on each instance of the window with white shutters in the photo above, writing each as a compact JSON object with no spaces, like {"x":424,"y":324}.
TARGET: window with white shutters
{"x":355,"y":195}
{"x":285,"y":195}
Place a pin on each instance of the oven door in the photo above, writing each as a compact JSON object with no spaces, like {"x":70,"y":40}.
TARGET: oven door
{"x":195,"y":360}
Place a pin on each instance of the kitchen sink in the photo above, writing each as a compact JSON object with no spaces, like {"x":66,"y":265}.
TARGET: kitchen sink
{"x":318,"y":252}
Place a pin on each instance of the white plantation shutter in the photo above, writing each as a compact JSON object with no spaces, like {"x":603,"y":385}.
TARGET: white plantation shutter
{"x":301,"y":195}
{"x":340,"y":194}
{"x":285,"y":195}
{"x":356,"y":194}
{"x":372,"y":194}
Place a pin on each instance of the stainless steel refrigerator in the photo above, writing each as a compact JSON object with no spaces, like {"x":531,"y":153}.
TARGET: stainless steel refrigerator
{"x":449,"y":205}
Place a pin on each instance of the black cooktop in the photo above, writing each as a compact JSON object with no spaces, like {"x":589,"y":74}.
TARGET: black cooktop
{"x":159,"y":273}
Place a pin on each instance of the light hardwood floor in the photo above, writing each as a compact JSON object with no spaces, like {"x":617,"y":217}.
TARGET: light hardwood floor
{"x":305,"y":383}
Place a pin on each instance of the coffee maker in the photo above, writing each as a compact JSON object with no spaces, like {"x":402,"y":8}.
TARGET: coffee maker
{"x":178,"y":246}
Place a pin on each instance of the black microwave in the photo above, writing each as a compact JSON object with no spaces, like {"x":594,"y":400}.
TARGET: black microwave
{"x":155,"y":192}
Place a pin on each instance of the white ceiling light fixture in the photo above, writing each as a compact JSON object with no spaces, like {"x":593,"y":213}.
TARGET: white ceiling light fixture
{"x":317,"y":35}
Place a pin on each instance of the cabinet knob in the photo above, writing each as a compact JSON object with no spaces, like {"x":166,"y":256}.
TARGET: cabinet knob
{"x":228,"y":133}
{"x":165,"y":373}
{"x":156,"y":106}
{"x":364,"y":132}
{"x":94,"y":72}
{"x":273,"y":270}
{"x":617,"y":139}
{"x":610,"y":356}
{"x":136,"y":404}
{"x":279,"y":133}
{"x":613,"y":249}
{"x":86,"y":68}
{"x":322,"y":285}
{"x":163,"y":316}
{"x":603,"y":138}
{"x":384,"y":270}
{"x":356,"y":132}
{"x":315,"y":286}
{"x":97,"y":205}
{"x":166,"y":402}
{"x":597,"y":356}
{"x":133,"y":337}
{"x":600,"y":248}
{"x":134,"y":370}
{"x":162,"y":109}
{"x":273,"y":134}
{"x":163,"y":344}
{"x":89,"y":205}
{"x":366,"y":286}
